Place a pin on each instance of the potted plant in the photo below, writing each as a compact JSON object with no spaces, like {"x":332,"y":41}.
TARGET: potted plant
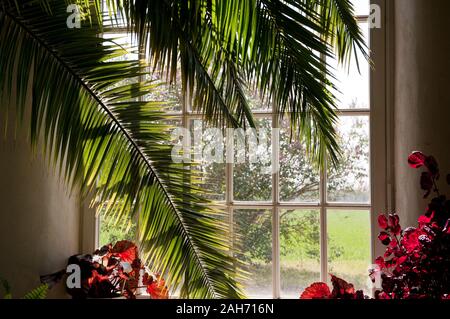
{"x":416,"y":263}
{"x":116,"y":271}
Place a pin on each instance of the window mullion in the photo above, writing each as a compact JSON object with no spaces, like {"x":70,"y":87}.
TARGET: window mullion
{"x":323,"y":227}
{"x":323,"y":219}
{"x":275,"y":201}
{"x":229,"y":138}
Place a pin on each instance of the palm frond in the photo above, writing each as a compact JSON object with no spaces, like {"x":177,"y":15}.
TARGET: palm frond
{"x":85,"y":105}
{"x":278,"y":46}
{"x":341,"y":29}
{"x":183,"y":39}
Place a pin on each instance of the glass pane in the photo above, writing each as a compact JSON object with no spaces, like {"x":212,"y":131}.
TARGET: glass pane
{"x":253,"y":163}
{"x":253,"y":239}
{"x":112,"y":17}
{"x":362,"y":7}
{"x":299,"y":181}
{"x":209,"y":149}
{"x":349,"y":249}
{"x":126,"y":41}
{"x":169,"y":93}
{"x":111,"y":231}
{"x":299,"y":251}
{"x":164,"y":91}
{"x":350,"y":181}
{"x":174,"y":123}
{"x":353,"y":85}
{"x":256,"y":102}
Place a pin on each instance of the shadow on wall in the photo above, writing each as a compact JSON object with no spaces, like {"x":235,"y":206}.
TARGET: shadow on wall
{"x":39,"y":220}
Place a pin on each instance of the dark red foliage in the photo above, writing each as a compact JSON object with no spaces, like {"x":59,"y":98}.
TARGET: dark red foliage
{"x":125,"y":250}
{"x":341,"y":290}
{"x":384,"y":238}
{"x":416,"y":159}
{"x":432,"y":166}
{"x":416,"y":264}
{"x":382,"y":222}
{"x":114,"y":271}
{"x":426,"y":183}
{"x":317,"y":290}
{"x":157,"y":288}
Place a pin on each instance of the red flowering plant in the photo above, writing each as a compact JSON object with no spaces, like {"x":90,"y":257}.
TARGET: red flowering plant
{"x":341,"y":290}
{"x":115,"y":271}
{"x":416,"y":263}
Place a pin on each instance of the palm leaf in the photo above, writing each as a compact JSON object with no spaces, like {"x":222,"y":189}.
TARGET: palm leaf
{"x":85,"y":106}
{"x":278,"y":46}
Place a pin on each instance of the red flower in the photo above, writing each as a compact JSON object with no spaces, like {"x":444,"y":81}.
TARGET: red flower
{"x":318,"y":290}
{"x":416,"y":159}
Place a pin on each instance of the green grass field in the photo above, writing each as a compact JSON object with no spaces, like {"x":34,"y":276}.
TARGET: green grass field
{"x":349,"y":232}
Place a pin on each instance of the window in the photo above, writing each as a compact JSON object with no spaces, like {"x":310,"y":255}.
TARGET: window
{"x":294,"y":225}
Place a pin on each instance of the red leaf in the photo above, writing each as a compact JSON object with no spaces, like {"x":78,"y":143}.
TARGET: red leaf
{"x":382,"y":221}
{"x":341,"y":288}
{"x":416,"y":159}
{"x":426,"y":181}
{"x":424,"y":220}
{"x":318,"y":290}
{"x":384,"y":238}
{"x":147,"y":279}
{"x":410,"y":239}
{"x":96,"y":278}
{"x":157,"y":289}
{"x":432,"y":165}
{"x":401,"y":260}
{"x":125,"y":250}
{"x":394,"y":220}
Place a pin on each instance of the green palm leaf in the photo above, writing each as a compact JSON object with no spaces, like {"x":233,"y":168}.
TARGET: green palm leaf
{"x":86,"y":106}
{"x":277,"y":46}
